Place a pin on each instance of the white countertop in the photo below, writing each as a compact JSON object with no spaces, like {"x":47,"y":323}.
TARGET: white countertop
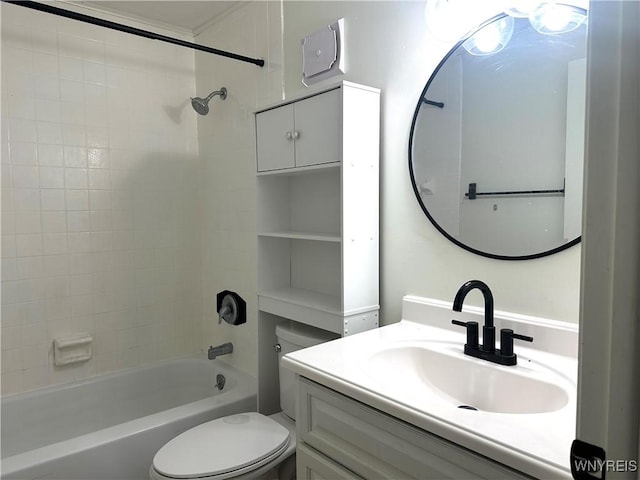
{"x":535,"y":443}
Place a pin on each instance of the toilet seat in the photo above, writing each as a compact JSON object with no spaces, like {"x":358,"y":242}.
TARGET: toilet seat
{"x":223,"y":448}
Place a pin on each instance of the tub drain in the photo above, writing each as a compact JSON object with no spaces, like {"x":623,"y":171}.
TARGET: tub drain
{"x":220,"y":381}
{"x":467,"y":407}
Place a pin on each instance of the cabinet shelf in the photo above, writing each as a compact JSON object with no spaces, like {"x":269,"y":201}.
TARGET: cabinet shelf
{"x":317,"y":189}
{"x":318,"y":237}
{"x":317,"y":192}
{"x":304,"y":298}
{"x":294,"y":171}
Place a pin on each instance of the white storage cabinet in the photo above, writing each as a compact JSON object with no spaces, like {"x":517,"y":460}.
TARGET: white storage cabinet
{"x":318,"y":209}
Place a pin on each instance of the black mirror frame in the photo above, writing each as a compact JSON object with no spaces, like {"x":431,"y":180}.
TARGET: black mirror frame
{"x":416,"y":191}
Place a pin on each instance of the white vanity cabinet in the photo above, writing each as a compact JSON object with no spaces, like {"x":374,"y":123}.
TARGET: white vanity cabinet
{"x":318,"y":209}
{"x":339,"y":437}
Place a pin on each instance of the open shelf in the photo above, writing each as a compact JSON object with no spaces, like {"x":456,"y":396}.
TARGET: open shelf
{"x":295,"y":171}
{"x":304,"y":298}
{"x":317,"y":192}
{"x":318,"y":237}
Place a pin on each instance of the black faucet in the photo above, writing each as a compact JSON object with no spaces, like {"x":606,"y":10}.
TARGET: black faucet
{"x":486,"y":351}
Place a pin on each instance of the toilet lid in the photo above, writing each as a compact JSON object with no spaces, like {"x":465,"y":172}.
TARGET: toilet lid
{"x":238,"y":442}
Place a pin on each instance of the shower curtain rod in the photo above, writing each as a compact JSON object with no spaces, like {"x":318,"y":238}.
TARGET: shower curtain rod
{"x":131,"y":30}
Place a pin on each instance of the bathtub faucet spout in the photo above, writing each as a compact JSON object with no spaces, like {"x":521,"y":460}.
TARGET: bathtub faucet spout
{"x":223,"y":349}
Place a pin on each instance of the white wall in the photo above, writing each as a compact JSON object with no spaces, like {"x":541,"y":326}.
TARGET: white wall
{"x":226,"y":138}
{"x":149,"y":127}
{"x":100,"y":199}
{"x":388,"y":47}
{"x":501,"y":150}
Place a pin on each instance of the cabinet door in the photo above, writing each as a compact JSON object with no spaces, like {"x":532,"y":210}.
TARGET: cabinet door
{"x":274,"y":139}
{"x":318,"y":127}
{"x":310,"y":465}
{"x":374,"y":445}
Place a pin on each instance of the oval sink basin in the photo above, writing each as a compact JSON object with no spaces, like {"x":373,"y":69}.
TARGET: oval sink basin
{"x":467,"y":382}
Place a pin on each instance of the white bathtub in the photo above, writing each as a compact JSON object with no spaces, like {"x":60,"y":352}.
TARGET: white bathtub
{"x":112,"y":425}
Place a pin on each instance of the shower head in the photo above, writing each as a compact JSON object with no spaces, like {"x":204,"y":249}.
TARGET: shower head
{"x":201,"y":105}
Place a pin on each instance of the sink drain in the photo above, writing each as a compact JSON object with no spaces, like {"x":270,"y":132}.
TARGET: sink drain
{"x":467,"y":407}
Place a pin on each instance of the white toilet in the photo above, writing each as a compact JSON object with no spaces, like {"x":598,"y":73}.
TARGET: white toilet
{"x":244,"y":446}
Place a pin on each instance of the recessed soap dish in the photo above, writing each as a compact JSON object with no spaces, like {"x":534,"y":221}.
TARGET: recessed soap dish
{"x":72,"y":348}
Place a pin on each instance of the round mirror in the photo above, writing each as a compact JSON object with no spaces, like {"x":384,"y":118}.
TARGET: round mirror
{"x":497,"y":139}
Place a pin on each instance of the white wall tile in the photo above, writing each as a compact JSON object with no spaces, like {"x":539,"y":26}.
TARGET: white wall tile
{"x":57,"y":287}
{"x":95,"y":72}
{"x":47,"y":88}
{"x":50,"y":155}
{"x":33,"y":334}
{"x":79,"y":242}
{"x":36,"y":377}
{"x":73,"y":135}
{"x":52,"y":200}
{"x":45,"y":65}
{"x":75,"y":156}
{"x":86,"y":127}
{"x":72,"y":112}
{"x":54,"y":222}
{"x":48,"y":111}
{"x":71,"y":69}
{"x":9,"y":269}
{"x":44,"y":39}
{"x":29,"y":245}
{"x":11,"y":358}
{"x":69,"y":45}
{"x":24,"y":153}
{"x":80,"y":263}
{"x":51,"y":177}
{"x":100,"y":199}
{"x":100,"y":220}
{"x":29,"y":267}
{"x":30,"y":290}
{"x":98,"y":157}
{"x":11,"y":341}
{"x":35,"y":356}
{"x":55,"y":265}
{"x":28,"y":222}
{"x":48,"y":133}
{"x":54,"y":243}
{"x":7,"y":222}
{"x":77,"y":199}
{"x":25,"y":176}
{"x":72,"y":95}
{"x":58,"y":308}
{"x":98,"y":137}
{"x":76,"y":178}
{"x":9,"y":292}
{"x":26,"y":199}
{"x":99,"y":178}
{"x":22,"y":106}
{"x":78,"y":222}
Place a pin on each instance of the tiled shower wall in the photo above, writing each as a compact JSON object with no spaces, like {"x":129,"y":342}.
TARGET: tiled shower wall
{"x":227,"y":151}
{"x":100,"y":197}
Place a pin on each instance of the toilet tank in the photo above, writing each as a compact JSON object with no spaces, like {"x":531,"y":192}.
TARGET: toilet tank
{"x":294,"y":336}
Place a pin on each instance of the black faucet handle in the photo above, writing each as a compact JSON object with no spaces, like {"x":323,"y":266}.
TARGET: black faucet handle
{"x":472,"y":332}
{"x":506,"y":341}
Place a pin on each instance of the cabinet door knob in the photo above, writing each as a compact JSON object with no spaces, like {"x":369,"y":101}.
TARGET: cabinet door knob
{"x":289,"y":135}
{"x":296,"y":134}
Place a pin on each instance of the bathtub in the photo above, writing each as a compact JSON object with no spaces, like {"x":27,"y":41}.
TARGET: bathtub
{"x":112,"y":425}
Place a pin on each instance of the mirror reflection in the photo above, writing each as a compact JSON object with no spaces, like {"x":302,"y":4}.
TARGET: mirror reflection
{"x":496,"y":146}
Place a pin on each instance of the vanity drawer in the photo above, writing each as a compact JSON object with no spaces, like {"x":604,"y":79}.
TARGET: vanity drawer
{"x":375,"y":445}
{"x":310,"y":464}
